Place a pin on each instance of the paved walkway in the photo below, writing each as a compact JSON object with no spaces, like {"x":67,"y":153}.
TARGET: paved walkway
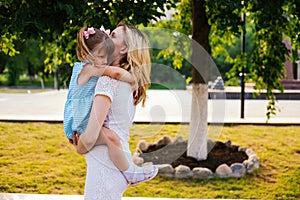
{"x":162,"y":106}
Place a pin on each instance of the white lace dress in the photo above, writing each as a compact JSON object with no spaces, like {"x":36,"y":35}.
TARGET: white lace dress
{"x":103,"y":180}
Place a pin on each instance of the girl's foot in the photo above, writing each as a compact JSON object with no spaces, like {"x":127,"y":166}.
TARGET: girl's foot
{"x":136,"y":175}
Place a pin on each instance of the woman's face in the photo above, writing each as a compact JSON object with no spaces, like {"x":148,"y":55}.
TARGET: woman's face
{"x":117,"y":36}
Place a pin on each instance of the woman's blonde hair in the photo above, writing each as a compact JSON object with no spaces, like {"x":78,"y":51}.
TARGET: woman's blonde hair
{"x":138,"y":61}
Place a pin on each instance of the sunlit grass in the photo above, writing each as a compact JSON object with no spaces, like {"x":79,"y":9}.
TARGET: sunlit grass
{"x":19,"y":91}
{"x":36,"y":158}
{"x":24,"y":81}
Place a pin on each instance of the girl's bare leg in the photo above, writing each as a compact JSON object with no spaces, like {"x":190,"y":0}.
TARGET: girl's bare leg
{"x":115,"y":151}
{"x":132,"y":173}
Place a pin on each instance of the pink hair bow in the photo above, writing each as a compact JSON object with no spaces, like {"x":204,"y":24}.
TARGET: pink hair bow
{"x":107,"y":32}
{"x":90,"y":31}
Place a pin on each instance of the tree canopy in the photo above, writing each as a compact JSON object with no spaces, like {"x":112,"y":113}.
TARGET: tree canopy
{"x":271,"y":22}
{"x":47,"y":19}
{"x":55,"y":23}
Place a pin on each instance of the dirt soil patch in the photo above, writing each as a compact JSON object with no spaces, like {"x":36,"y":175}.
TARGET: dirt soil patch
{"x":176,"y":154}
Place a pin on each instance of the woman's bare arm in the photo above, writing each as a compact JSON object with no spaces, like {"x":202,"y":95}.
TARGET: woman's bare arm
{"x":98,"y":114}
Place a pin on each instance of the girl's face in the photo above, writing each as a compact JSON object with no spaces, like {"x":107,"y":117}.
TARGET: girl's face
{"x":100,"y":58}
{"x":117,"y":36}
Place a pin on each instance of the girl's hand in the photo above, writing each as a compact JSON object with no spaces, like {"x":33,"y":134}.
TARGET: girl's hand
{"x":88,"y":71}
{"x":75,"y":138}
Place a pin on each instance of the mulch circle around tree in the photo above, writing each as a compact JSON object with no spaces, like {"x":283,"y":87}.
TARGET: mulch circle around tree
{"x":176,"y":154}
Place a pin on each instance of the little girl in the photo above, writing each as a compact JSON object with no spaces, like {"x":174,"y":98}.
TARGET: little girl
{"x":93,"y":48}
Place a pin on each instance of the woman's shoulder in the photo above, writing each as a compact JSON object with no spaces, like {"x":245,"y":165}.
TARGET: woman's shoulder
{"x":106,"y":83}
{"x":107,"y":80}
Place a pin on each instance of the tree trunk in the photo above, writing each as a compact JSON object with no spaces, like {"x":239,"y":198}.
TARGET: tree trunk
{"x":31,"y":73}
{"x":197,"y":142}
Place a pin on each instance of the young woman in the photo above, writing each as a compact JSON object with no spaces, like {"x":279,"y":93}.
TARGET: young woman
{"x":93,"y":48}
{"x":114,"y":107}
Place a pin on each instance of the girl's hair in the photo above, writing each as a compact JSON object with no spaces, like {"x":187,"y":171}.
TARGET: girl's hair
{"x":107,"y":46}
{"x":96,"y":41}
{"x":138,"y":61}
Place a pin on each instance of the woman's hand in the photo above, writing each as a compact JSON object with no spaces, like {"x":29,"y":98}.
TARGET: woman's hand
{"x":99,"y":110}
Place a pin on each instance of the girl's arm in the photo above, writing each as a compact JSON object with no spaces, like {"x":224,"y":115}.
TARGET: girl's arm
{"x":114,"y":72}
{"x":87,"y":72}
{"x":98,"y":114}
{"x":118,"y":73}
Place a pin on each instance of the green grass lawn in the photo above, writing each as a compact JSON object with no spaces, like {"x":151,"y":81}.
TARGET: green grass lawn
{"x":24,"y":81}
{"x":14,"y":91}
{"x":36,"y":158}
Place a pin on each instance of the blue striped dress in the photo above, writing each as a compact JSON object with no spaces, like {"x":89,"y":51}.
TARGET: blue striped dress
{"x":79,"y":102}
